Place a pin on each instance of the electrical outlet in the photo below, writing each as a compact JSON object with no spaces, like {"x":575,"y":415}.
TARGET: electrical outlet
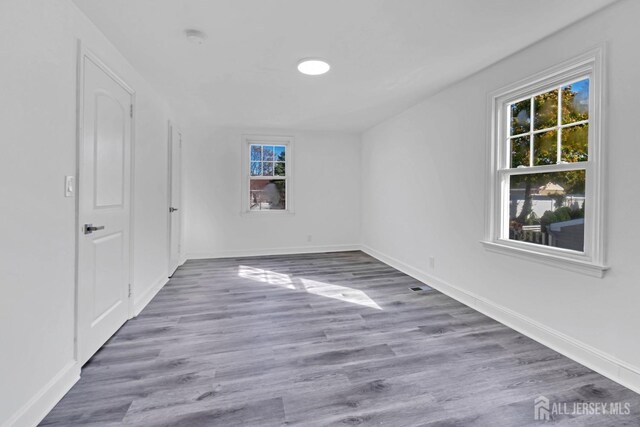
{"x":432,"y":262}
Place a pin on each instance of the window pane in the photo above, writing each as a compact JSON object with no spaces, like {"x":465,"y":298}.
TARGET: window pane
{"x":545,"y":110}
{"x":545,"y":148}
{"x":280,"y":151}
{"x":521,"y":117}
{"x":279,"y":169}
{"x":575,"y":102}
{"x":267,"y":168}
{"x":256,"y":153}
{"x":256,"y":168}
{"x":520,"y":150}
{"x":267,"y":152}
{"x":575,"y":143}
{"x":267,"y":194}
{"x":548,"y":209}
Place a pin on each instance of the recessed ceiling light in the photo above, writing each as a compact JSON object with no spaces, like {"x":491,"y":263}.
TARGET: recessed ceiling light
{"x":195,"y":36}
{"x":313,"y":67}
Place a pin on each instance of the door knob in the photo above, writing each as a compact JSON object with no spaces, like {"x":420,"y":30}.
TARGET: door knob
{"x":89,"y":228}
{"x":172,"y":209}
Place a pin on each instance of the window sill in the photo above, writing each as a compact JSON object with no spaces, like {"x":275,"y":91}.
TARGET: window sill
{"x":281,"y":212}
{"x":575,"y":265}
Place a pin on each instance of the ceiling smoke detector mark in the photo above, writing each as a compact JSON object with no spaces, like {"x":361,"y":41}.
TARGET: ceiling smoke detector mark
{"x":195,"y":36}
{"x":313,"y":66}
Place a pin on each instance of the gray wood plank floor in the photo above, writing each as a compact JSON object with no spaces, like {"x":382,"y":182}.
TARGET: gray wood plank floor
{"x":322,"y":339}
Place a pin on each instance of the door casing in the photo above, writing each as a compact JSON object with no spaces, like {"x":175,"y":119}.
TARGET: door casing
{"x":174,"y":145}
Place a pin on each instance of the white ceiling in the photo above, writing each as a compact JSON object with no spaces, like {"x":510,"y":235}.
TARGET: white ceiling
{"x":386,"y":55}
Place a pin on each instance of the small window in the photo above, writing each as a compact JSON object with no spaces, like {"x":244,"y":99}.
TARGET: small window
{"x":545,"y":195}
{"x":267,"y":173}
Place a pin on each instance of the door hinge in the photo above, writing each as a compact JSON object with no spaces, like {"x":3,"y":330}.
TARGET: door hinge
{"x":130,"y":293}
{"x":131,"y":110}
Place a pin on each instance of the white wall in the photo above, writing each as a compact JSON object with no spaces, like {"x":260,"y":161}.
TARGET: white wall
{"x":37,"y":226}
{"x":326,"y":187}
{"x":424,"y":195}
{"x":414,"y":204}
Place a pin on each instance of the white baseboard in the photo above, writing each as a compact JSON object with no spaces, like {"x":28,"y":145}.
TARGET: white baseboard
{"x":273,"y":251}
{"x":601,"y":362}
{"x":34,"y":411}
{"x":140,"y":302}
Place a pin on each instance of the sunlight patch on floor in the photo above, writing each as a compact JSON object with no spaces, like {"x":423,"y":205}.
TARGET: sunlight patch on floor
{"x":342,"y":293}
{"x":266,"y":276}
{"x":328,"y":290}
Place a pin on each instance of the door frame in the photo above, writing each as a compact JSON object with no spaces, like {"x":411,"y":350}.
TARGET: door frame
{"x":84,"y":52}
{"x":171,"y":130}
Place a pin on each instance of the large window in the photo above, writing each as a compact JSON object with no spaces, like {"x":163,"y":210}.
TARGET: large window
{"x":546,"y":159}
{"x":267,"y":170}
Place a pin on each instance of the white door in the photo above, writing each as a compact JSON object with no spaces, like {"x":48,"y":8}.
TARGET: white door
{"x":104,"y":206}
{"x":175,"y":212}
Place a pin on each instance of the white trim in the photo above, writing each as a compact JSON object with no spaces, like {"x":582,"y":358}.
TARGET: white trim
{"x":549,"y":259}
{"x":288,"y":141}
{"x":182,"y":206}
{"x":267,"y":212}
{"x":592,"y":260}
{"x":145,"y":298}
{"x":76,"y":240}
{"x":604,"y":363}
{"x":273,"y":251}
{"x":562,"y":167}
{"x":169,"y":194}
{"x":132,"y":204}
{"x":34,"y":411}
{"x":172,"y":128}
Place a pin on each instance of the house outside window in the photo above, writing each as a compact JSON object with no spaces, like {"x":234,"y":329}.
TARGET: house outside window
{"x":267,"y":166}
{"x":546,"y":161}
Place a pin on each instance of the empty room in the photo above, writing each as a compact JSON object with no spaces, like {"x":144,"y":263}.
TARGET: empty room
{"x":319,"y":213}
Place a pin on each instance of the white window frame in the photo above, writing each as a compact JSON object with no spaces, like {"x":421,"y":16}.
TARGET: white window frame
{"x":247,"y":141}
{"x":592,"y":260}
